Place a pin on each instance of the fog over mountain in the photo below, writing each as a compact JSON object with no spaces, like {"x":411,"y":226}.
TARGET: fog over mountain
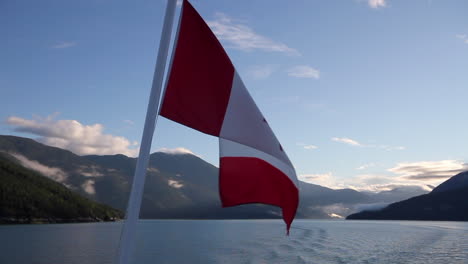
{"x":178,"y":184}
{"x":448,"y":202}
{"x":29,"y":197}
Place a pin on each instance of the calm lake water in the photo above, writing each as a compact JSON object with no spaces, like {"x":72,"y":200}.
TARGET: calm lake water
{"x":240,"y":241}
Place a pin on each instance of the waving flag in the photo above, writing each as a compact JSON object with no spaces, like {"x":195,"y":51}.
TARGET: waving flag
{"x":205,"y":92}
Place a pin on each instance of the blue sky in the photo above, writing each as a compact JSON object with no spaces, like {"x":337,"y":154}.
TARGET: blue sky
{"x":367,"y":94}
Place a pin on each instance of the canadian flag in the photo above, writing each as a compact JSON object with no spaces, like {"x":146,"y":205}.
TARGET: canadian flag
{"x":205,"y":92}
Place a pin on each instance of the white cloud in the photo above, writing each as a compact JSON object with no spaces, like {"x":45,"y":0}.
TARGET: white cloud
{"x":348,"y":141}
{"x":91,"y":171}
{"x":310,"y":147}
{"x":377,"y":3}
{"x":384,"y":182}
{"x":355,"y":143}
{"x":176,"y":151}
{"x":53,"y":173}
{"x":432,"y":172}
{"x":304,"y":71}
{"x":407,"y":175}
{"x":306,"y":146}
{"x":175,"y":184}
{"x":129,"y":122}
{"x":259,"y":72}
{"x":389,"y":148}
{"x":64,"y":45}
{"x":323,"y":179}
{"x":152,"y":169}
{"x":463,"y":37}
{"x":242,"y":37}
{"x":373,"y":182}
{"x":88,"y":186}
{"x":333,"y":215}
{"x":366,"y":182}
{"x":74,"y":136}
{"x":365,"y":166}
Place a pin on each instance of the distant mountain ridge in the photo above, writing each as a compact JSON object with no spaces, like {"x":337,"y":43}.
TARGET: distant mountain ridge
{"x":448,"y":202}
{"x":458,"y":181}
{"x":177,"y":185}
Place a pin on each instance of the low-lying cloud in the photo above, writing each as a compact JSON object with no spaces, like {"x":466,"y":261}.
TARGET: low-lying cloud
{"x":175,"y":184}
{"x":74,"y":136}
{"x":176,"y":151}
{"x":53,"y":173}
{"x":90,"y":171}
{"x":88,"y":187}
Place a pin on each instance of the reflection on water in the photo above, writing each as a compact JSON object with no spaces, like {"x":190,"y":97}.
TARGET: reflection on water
{"x":241,"y":241}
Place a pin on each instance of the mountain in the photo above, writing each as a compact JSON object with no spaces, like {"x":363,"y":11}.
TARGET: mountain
{"x":397,"y":194}
{"x":319,"y":195}
{"x":28,"y":197}
{"x":320,"y":202}
{"x":458,"y":181}
{"x":447,"y":202}
{"x":177,"y":185}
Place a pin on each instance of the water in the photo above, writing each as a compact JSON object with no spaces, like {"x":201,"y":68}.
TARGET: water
{"x":241,"y":241}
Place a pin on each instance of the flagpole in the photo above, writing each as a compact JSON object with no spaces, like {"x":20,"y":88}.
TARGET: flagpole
{"x":127,"y":238}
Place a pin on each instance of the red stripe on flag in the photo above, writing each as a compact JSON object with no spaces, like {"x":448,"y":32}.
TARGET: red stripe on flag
{"x":201,"y":77}
{"x":252,"y":180}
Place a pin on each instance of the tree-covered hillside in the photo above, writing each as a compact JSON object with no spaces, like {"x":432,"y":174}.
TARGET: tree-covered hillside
{"x":28,"y":197}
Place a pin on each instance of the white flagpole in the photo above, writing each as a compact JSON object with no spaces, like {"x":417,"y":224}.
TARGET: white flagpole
{"x":127,"y":238}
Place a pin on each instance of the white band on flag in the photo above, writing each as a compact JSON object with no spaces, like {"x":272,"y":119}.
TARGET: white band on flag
{"x":232,"y":149}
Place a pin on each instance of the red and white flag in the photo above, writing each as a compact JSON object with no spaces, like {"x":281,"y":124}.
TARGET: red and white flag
{"x":205,"y":92}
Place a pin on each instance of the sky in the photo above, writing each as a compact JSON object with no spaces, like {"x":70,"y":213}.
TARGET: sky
{"x":363,"y":94}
